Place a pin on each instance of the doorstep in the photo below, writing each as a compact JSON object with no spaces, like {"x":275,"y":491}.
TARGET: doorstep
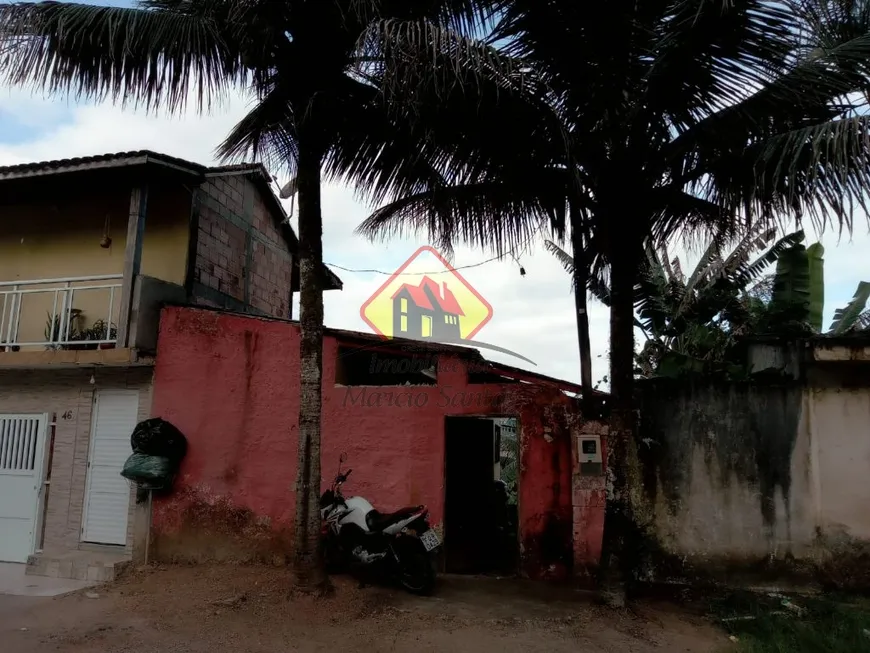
{"x":96,"y":566}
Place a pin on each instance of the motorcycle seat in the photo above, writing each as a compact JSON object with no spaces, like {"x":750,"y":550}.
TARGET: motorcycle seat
{"x":378,"y":521}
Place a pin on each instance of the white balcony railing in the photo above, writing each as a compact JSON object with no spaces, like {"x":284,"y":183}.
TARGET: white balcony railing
{"x":66,"y":313}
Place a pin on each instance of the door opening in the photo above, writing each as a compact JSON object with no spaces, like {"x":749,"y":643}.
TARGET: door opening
{"x":482,"y":482}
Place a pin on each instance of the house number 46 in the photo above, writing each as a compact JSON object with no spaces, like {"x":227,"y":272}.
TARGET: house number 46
{"x":67,"y":415}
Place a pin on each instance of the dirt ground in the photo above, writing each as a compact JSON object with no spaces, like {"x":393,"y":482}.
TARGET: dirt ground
{"x":217,"y":609}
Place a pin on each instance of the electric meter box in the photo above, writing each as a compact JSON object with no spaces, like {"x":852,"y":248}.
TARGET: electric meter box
{"x":589,"y":455}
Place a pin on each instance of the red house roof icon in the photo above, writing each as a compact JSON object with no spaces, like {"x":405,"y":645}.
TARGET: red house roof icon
{"x":446,"y":302}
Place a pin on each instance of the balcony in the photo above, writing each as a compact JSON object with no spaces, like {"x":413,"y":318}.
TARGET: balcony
{"x":87,"y":320}
{"x":72,"y":313}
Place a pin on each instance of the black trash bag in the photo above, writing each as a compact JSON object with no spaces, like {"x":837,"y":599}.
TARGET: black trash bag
{"x":149,"y":472}
{"x":157,"y":437}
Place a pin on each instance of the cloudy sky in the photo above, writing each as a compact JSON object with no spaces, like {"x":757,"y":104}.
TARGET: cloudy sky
{"x":532,"y":314}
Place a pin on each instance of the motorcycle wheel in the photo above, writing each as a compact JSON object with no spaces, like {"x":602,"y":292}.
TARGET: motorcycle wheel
{"x":416,"y":572}
{"x":332,"y":559}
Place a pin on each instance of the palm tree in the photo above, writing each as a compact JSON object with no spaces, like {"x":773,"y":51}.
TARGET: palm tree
{"x":674,"y":116}
{"x":314,"y":70}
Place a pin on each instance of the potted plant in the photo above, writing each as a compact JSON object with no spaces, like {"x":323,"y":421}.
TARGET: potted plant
{"x":53,"y":330}
{"x":101,"y":330}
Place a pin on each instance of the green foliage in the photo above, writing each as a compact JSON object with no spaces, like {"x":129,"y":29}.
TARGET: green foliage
{"x":852,"y":316}
{"x":816,"y":259}
{"x":762,"y":624}
{"x":790,"y":304}
{"x":692,"y":323}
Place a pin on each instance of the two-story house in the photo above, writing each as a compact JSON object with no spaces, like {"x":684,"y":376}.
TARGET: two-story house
{"x":90,"y":250}
{"x":423,"y":312}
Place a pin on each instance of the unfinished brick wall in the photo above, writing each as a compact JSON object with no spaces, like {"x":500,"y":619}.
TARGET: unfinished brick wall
{"x":242,"y":260}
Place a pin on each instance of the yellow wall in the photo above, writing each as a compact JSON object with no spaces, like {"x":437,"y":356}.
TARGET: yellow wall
{"x":60,"y":237}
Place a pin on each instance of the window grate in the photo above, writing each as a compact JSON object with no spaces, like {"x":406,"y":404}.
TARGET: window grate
{"x":18,"y":436}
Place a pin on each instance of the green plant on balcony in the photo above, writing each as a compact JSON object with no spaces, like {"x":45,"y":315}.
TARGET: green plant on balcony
{"x":54,"y":330}
{"x":102,"y":330}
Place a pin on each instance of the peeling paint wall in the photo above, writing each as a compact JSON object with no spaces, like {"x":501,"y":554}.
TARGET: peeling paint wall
{"x":745,"y":473}
{"x":230,"y":384}
{"x":589,"y":499}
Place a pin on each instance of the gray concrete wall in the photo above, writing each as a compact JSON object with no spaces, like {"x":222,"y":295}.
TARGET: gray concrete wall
{"x":149,"y":296}
{"x":738,"y":473}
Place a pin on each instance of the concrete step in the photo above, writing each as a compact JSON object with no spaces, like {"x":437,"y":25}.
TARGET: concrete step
{"x":97,"y":566}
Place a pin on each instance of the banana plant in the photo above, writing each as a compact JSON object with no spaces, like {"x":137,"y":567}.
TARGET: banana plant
{"x":854,"y":316}
{"x":798,"y":297}
{"x":690,"y":322}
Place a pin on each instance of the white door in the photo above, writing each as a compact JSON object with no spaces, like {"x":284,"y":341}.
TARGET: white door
{"x":22,"y":447}
{"x":107,"y":500}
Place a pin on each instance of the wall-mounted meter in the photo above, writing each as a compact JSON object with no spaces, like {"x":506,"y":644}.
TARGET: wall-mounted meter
{"x":589,"y":455}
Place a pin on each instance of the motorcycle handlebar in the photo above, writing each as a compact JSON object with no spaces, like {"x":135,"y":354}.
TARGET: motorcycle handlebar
{"x":341,"y":478}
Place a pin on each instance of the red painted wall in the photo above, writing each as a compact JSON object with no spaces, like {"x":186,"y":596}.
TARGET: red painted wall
{"x":229,"y":383}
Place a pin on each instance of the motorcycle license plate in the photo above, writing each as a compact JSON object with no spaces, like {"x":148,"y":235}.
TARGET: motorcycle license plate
{"x":430,"y":540}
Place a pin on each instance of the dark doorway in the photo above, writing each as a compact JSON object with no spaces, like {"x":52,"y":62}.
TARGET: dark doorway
{"x":480,"y":534}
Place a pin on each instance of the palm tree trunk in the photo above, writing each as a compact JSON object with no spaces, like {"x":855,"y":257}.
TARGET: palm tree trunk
{"x":308,"y":567}
{"x":581,"y":274}
{"x":618,"y":555}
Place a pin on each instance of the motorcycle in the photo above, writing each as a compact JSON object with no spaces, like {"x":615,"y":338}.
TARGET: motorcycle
{"x":399,"y":544}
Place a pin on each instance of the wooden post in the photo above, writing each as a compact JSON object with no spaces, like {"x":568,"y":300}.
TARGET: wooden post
{"x":148,"y":535}
{"x":132,"y":259}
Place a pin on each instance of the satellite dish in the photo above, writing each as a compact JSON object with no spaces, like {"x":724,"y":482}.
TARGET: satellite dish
{"x":289,"y":189}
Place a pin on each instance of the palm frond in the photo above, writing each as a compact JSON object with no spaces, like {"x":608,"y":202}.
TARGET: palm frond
{"x":154,"y":57}
{"x":599,"y":289}
{"x":494,"y":216}
{"x":746,"y":272}
{"x":564,"y":258}
{"x":414,"y":58}
{"x":267,"y":132}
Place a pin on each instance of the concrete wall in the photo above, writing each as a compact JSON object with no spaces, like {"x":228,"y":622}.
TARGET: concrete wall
{"x":771,"y":473}
{"x":840,"y":422}
{"x":67,"y":396}
{"x":242,"y":259}
{"x":230,"y":384}
{"x":588,"y":499}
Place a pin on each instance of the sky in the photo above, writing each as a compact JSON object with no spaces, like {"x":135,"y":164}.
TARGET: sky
{"x":532,"y":314}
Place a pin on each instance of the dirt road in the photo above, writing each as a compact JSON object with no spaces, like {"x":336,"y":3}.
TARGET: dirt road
{"x":220,"y":609}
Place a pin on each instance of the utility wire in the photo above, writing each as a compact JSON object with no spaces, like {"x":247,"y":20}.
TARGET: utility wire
{"x":510,"y":253}
{"x":461,"y":267}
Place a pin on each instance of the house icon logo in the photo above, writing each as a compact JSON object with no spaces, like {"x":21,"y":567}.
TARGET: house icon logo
{"x":426,"y":299}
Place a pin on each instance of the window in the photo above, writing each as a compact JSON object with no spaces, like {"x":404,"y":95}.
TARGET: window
{"x":446,"y":319}
{"x":404,"y":305}
{"x":363,"y":366}
{"x":403,"y":324}
{"x":426,"y":330}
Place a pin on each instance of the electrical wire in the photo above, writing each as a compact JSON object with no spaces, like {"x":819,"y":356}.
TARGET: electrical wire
{"x":461,"y":267}
{"x":510,"y":253}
